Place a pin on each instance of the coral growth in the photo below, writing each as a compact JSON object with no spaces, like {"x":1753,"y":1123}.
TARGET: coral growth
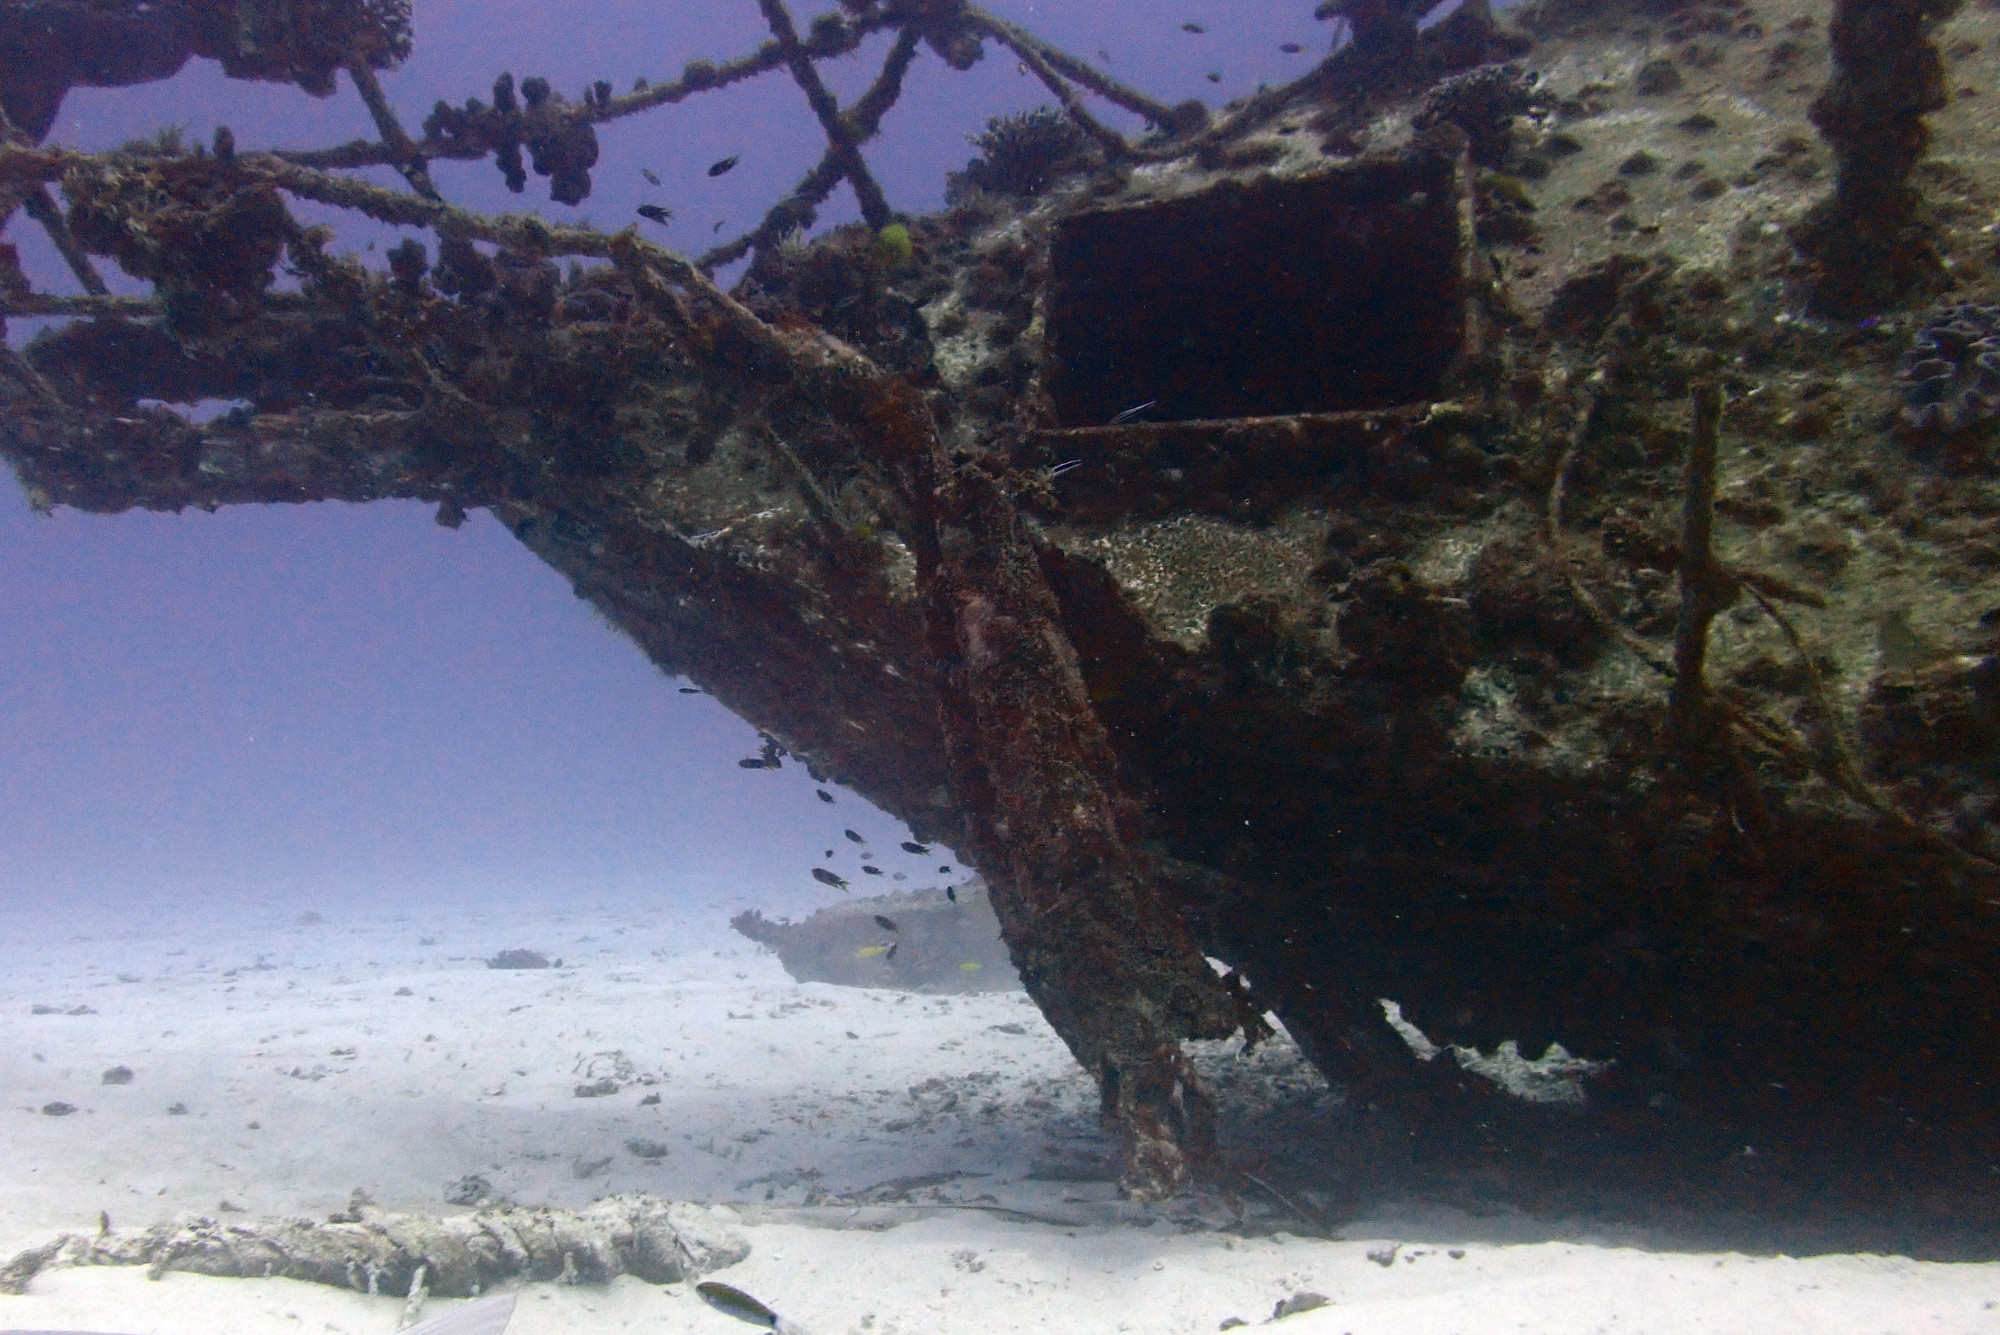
{"x":1023,"y":153}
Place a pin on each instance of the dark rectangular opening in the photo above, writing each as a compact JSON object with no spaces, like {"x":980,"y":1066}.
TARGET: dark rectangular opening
{"x":1260,"y":298}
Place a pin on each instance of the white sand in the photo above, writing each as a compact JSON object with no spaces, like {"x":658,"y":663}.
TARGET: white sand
{"x":305,"y":1075}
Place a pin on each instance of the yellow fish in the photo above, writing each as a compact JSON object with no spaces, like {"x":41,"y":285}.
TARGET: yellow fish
{"x":870,"y":952}
{"x":970,"y":966}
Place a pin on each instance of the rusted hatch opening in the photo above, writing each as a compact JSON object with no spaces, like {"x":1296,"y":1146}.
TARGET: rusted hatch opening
{"x":1264,"y":297}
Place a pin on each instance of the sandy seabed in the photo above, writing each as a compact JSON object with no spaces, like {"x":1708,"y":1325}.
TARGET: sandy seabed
{"x":372,"y":1048}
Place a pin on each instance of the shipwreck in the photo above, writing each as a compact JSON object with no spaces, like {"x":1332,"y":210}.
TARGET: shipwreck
{"x":1551,"y":584}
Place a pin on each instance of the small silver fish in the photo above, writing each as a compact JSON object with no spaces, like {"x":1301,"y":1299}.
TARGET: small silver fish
{"x":1067,"y":465}
{"x":1133,"y":412}
{"x":737,"y":1303}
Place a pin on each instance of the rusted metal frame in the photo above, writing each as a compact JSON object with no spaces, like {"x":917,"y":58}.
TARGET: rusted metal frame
{"x":1031,"y":55}
{"x":843,"y":141}
{"x":21,"y":165}
{"x":524,"y":232}
{"x":42,"y":207}
{"x":405,"y":156}
{"x":362,"y":153}
{"x":766,"y":57}
{"x":649,"y":263}
{"x":813,"y":188}
{"x":41,"y":303}
{"x":288,"y":457}
{"x":1089,"y":76}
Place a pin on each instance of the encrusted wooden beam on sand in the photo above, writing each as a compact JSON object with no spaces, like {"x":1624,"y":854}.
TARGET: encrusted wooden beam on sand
{"x":386,"y":1252}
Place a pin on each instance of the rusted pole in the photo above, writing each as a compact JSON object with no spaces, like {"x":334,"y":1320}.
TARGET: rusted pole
{"x":1705,"y":587}
{"x":841,"y":138}
{"x":407,"y":159}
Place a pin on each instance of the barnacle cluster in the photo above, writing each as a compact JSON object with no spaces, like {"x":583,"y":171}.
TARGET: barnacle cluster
{"x":1022,"y":153}
{"x":561,"y":141}
{"x":1950,"y":377}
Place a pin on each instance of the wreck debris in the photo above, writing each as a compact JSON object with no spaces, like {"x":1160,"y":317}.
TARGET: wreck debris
{"x":457,"y":1256}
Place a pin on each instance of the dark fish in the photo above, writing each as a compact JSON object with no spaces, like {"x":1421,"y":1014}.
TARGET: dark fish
{"x":829,"y":852}
{"x":692,"y":690}
{"x":647,"y":172}
{"x":654,"y":213}
{"x":855,"y":837}
{"x":945,"y":870}
{"x":824,"y":795}
{"x":1193,"y":28}
{"x":825,"y":877}
{"x":1290,"y":48}
{"x":718,"y":168}
{"x":737,"y":1303}
{"x":1213,"y":77}
{"x":872,"y":871}
{"x":1133,"y":412}
{"x":755,"y":762}
{"x":718,"y":225}
{"x":892,"y":950}
{"x":886,"y":924}
{"x":951,"y":894}
{"x":921,"y":850}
